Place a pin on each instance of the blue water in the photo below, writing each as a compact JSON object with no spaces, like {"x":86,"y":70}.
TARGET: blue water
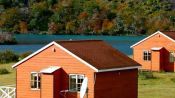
{"x":32,"y":42}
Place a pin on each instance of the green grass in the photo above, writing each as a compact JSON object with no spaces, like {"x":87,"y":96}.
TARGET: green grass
{"x":7,"y":79}
{"x":161,"y":86}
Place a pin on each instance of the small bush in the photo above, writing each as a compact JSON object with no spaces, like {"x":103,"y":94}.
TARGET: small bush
{"x":162,"y":71}
{"x":173,"y":80}
{"x":8,"y":56}
{"x":146,"y":75}
{"x":4,"y":71}
{"x":25,"y":54}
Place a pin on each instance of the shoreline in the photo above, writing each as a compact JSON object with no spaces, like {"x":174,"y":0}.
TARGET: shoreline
{"x":84,"y":34}
{"x":46,"y":38}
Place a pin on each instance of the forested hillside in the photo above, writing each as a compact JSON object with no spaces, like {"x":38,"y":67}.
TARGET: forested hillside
{"x":111,"y":17}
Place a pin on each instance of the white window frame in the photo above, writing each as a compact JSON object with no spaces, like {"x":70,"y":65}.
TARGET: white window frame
{"x":37,"y":81}
{"x":148,"y":55}
{"x":171,"y":56}
{"x":76,"y":82}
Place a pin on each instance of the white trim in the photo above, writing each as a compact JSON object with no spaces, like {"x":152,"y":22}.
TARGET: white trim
{"x":37,"y":75}
{"x":76,"y":75}
{"x":89,"y":65}
{"x":117,"y":69}
{"x":151,"y":36}
{"x":50,"y":69}
{"x":147,"y":55}
{"x":34,"y":72}
{"x":156,"y":48}
{"x":33,"y":54}
{"x":35,"y":89}
{"x":61,"y":47}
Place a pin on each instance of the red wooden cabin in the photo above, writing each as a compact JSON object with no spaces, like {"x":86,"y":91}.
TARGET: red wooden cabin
{"x":156,"y":52}
{"x":58,"y":69}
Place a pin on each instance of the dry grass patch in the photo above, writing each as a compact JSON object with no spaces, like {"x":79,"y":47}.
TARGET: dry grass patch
{"x":9,"y":78}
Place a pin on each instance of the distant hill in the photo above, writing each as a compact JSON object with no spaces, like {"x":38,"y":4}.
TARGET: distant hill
{"x":107,"y":17}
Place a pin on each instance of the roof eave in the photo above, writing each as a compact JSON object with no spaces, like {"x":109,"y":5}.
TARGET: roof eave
{"x":151,"y":36}
{"x":33,"y":54}
{"x":118,"y":69}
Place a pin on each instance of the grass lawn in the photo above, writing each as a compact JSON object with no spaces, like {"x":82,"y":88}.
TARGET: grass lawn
{"x":162,"y":86}
{"x":8,"y":79}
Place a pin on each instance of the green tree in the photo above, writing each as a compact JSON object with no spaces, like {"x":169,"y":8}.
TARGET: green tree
{"x":6,"y":3}
{"x":9,"y":18}
{"x":39,"y":16}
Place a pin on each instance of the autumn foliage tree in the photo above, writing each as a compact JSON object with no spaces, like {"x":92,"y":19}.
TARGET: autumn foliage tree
{"x":112,"y":17}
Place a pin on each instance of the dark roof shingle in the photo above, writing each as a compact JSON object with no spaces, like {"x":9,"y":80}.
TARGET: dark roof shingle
{"x":98,"y":53}
{"x":170,"y":34}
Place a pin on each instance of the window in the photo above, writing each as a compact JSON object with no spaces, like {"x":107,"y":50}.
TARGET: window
{"x":35,"y":80}
{"x":147,"y":55}
{"x":171,"y":57}
{"x":75,"y":82}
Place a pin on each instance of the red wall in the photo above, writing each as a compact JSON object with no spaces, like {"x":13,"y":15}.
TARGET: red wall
{"x":57,"y":83}
{"x":117,"y":84}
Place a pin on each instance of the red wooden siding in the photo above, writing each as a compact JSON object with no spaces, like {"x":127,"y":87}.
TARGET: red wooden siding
{"x":57,"y":83}
{"x":118,"y":84}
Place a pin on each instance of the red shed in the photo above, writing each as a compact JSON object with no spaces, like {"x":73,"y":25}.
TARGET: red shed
{"x":156,"y":52}
{"x":58,"y":69}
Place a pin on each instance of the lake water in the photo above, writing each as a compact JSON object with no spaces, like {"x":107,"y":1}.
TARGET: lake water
{"x":32,"y":42}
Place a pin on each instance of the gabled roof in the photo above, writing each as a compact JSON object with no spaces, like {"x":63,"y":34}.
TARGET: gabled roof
{"x":96,"y":54}
{"x":168,"y":34}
